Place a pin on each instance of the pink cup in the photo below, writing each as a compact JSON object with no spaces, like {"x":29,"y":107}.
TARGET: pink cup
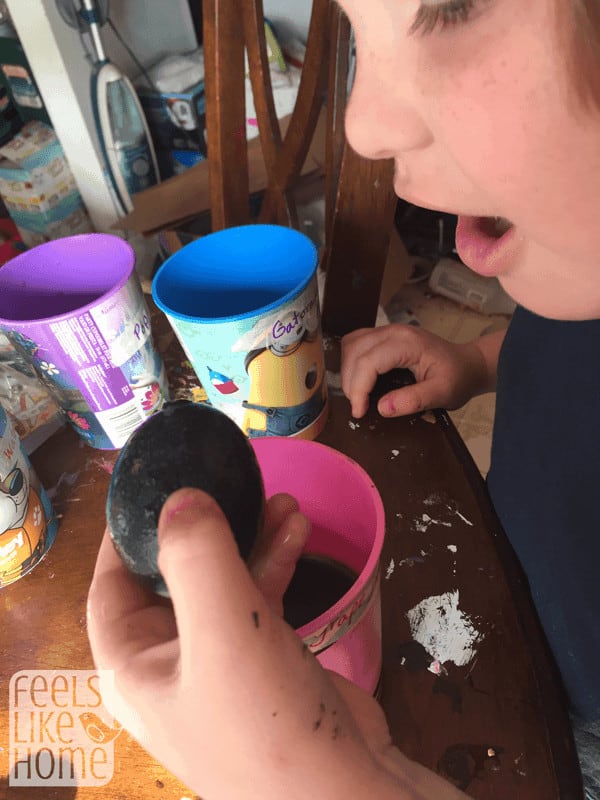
{"x":348,"y":526}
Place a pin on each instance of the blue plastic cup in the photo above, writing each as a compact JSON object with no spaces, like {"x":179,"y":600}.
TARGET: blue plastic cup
{"x":244,"y":304}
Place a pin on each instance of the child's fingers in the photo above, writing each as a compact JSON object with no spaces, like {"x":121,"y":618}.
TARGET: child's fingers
{"x":199,"y":559}
{"x":411,"y":399}
{"x":278,"y":509}
{"x":369,"y":355}
{"x":354,"y":346}
{"x":124,"y":618}
{"x":273,"y":565}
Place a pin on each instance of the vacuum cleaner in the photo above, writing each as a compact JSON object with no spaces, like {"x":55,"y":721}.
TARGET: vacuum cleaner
{"x":122,"y":129}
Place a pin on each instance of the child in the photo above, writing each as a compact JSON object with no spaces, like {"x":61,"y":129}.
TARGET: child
{"x":491,"y":110}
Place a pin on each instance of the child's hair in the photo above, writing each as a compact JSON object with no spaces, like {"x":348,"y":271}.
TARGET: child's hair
{"x":583,"y":50}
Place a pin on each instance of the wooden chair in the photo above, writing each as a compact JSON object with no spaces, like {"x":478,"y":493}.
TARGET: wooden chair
{"x":359,"y":197}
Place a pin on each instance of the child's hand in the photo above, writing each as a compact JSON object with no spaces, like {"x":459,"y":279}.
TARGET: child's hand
{"x":220,"y":690}
{"x":277,"y":549}
{"x":447,"y":375}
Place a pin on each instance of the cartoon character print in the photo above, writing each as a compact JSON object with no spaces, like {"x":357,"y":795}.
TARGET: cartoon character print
{"x":68,"y":397}
{"x":181,"y":113}
{"x":22,"y":517}
{"x":288,"y":393}
{"x":145,"y":374}
{"x":50,"y":374}
{"x":22,"y":343}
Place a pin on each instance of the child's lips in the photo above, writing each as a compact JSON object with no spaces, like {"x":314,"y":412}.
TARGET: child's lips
{"x":482,"y":249}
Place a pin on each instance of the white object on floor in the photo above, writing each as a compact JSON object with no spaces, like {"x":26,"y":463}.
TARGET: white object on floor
{"x":453,"y":279}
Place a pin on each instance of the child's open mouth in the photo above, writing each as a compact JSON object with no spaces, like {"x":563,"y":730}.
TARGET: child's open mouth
{"x":486,"y":244}
{"x":495,"y":226}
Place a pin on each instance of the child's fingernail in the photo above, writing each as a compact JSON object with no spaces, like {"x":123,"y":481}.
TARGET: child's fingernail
{"x":182,"y":506}
{"x":386,"y":407}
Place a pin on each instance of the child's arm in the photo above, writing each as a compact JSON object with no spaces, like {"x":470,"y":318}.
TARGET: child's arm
{"x":221,"y":690}
{"x":447,"y":374}
{"x":489,"y":347}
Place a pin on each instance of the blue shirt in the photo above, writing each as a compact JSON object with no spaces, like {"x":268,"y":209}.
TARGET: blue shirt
{"x":545,"y":485}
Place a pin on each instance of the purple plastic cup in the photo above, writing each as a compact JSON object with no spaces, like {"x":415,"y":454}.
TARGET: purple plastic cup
{"x":75,"y":310}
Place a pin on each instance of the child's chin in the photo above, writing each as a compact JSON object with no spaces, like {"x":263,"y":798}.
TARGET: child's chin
{"x":558,"y":304}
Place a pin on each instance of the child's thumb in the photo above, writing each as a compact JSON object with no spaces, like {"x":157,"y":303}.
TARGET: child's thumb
{"x":215,"y":600}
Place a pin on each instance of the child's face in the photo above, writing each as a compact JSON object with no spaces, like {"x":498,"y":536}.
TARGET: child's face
{"x":482,"y":121}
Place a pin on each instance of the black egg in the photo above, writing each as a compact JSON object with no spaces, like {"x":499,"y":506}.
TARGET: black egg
{"x":184,"y":445}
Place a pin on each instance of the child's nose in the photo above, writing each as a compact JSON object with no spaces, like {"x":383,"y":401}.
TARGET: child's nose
{"x":382,"y":121}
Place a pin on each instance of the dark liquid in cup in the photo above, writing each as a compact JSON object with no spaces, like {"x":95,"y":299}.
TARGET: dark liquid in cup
{"x":317,"y":584}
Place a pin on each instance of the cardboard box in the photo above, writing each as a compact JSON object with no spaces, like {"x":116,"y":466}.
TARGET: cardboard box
{"x":185,"y":197}
{"x":16,"y":77}
{"x":174,"y":162}
{"x":176,"y":119}
{"x":10,"y":121}
{"x":171,"y":92}
{"x":38,"y":188}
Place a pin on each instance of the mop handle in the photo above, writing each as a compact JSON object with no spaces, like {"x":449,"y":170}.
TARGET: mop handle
{"x":90,"y":13}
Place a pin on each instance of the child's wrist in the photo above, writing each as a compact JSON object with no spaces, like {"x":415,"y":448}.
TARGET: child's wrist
{"x":483,"y":356}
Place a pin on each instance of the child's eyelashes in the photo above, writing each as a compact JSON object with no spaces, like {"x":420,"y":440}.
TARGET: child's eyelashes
{"x":434,"y":15}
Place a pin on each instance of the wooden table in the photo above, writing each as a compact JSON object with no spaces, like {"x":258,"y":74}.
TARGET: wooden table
{"x":495,"y":725}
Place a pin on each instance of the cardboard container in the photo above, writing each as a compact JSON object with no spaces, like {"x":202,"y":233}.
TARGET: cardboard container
{"x":38,"y":188}
{"x":10,"y":121}
{"x":176,"y":119}
{"x":17,"y":78}
{"x":171,"y":92}
{"x":186,"y":196}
